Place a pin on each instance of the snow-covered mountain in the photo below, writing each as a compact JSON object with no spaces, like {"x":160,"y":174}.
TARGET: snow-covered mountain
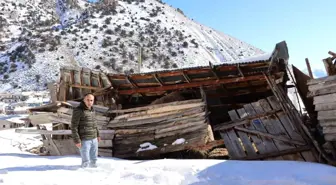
{"x":37,"y":37}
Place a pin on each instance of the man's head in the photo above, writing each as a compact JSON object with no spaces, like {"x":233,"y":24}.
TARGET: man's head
{"x":88,"y":100}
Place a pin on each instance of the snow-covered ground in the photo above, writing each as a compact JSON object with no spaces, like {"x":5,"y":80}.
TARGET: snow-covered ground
{"x":19,"y":167}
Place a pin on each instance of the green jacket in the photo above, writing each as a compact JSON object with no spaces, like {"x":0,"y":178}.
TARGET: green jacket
{"x":83,"y":123}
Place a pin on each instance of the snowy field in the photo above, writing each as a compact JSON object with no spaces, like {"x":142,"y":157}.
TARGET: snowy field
{"x":20,"y":167}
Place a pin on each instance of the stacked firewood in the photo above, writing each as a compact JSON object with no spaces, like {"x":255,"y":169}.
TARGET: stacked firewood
{"x":159,"y":128}
{"x":323,"y":92}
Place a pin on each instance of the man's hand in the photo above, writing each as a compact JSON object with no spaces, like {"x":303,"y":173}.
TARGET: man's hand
{"x":99,"y":139}
{"x":79,"y":145}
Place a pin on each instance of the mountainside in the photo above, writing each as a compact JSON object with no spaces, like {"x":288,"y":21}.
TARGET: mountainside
{"x":37,"y":37}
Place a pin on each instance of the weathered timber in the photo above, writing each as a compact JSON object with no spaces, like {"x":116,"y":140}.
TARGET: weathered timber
{"x":105,"y":152}
{"x":275,"y":127}
{"x":152,"y":116}
{"x":321,"y":80}
{"x":242,"y":121}
{"x":330,"y":89}
{"x":259,"y":126}
{"x":328,"y":98}
{"x":179,"y":132}
{"x":325,"y":106}
{"x":55,"y":132}
{"x":326,"y":115}
{"x":242,"y":135}
{"x":181,"y":126}
{"x":145,"y":108}
{"x":329,"y":130}
{"x":114,"y":124}
{"x":160,"y":110}
{"x":65,"y":112}
{"x":328,"y":123}
{"x":191,"y":85}
{"x":97,"y":108}
{"x":330,"y":137}
{"x":276,"y":154}
{"x":164,"y":123}
{"x":284,"y":119}
{"x":279,"y":137}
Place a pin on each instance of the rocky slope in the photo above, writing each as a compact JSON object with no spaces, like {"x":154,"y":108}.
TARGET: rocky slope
{"x":37,"y":37}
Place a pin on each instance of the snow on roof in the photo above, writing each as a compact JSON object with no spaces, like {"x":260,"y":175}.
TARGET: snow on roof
{"x":34,"y":100}
{"x":17,"y":119}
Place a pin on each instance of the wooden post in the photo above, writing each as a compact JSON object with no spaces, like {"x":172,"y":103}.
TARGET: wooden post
{"x":309,"y":69}
{"x":332,"y":54}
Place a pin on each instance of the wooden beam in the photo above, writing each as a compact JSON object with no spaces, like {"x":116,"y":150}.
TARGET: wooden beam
{"x":240,"y":71}
{"x":309,"y":69}
{"x":157,"y":78}
{"x":332,"y":54}
{"x":55,"y":132}
{"x":276,"y":154}
{"x":186,"y":77}
{"x":213,"y":70}
{"x":245,"y":120}
{"x":280,"y":138}
{"x":191,"y":85}
{"x":129,"y":80}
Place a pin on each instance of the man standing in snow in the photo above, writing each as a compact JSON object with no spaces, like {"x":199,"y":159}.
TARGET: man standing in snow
{"x":85,"y":132}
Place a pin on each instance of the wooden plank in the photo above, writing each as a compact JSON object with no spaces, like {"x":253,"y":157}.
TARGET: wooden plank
{"x":180,"y":127}
{"x":191,"y":85}
{"x":325,"y":98}
{"x":321,"y":80}
{"x":309,"y":69}
{"x":276,"y":154}
{"x":242,"y":121}
{"x":55,"y":132}
{"x":159,"y":110}
{"x":271,"y":136}
{"x":284,"y":119}
{"x":156,"y":106}
{"x":274,"y":126}
{"x":330,"y":89}
{"x":243,"y":136}
{"x":180,"y":132}
{"x":228,"y":144}
{"x":257,"y":124}
{"x":235,"y":142}
{"x":329,"y":130}
{"x":116,"y":124}
{"x":66,"y":147}
{"x":325,"y":106}
{"x":326,"y":115}
{"x":105,"y":152}
{"x":328,"y":123}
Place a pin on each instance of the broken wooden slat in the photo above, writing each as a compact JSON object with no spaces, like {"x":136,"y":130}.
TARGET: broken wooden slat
{"x":243,"y":136}
{"x":276,"y":154}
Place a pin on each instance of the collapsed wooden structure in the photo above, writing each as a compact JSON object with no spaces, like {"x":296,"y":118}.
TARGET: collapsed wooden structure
{"x":242,"y":106}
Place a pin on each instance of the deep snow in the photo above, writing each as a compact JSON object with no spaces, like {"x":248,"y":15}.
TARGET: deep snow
{"x":19,"y":167}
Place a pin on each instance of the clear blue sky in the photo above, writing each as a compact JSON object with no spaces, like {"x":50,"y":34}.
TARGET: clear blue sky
{"x":308,"y":26}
